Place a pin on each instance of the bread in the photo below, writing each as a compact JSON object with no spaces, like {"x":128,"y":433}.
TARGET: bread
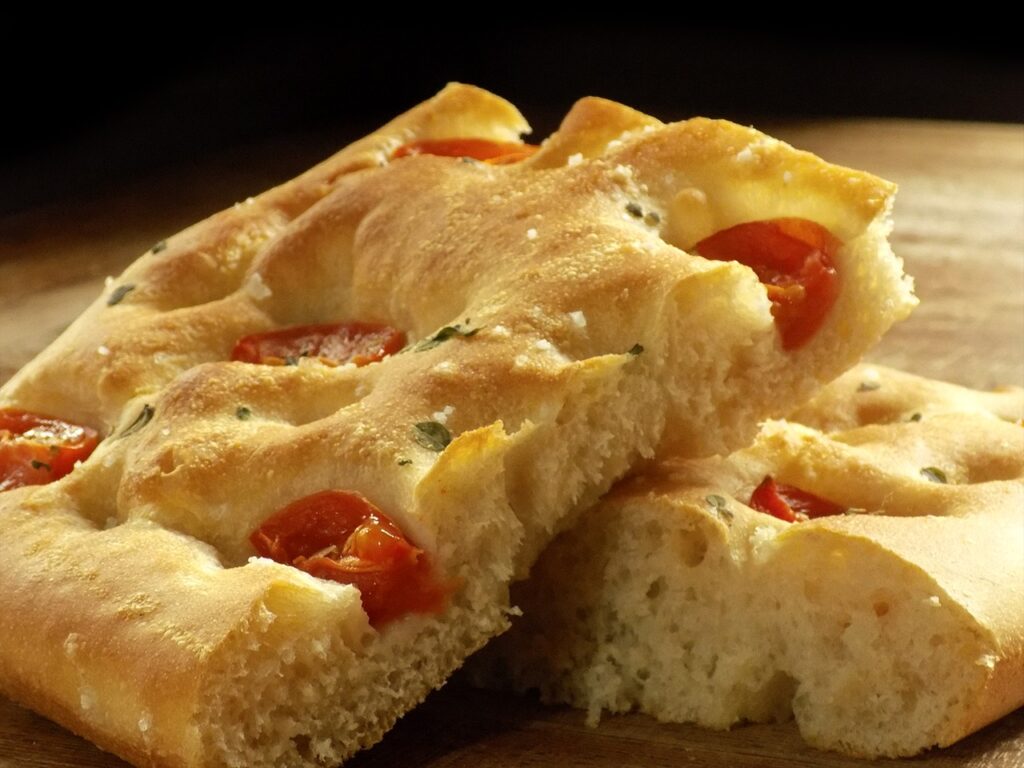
{"x":884,"y":631}
{"x":555,"y":337}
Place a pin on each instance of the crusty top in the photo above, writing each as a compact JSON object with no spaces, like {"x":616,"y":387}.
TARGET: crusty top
{"x":571,"y":267}
{"x":542,"y":256}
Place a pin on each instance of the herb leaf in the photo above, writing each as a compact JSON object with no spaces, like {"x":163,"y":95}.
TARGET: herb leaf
{"x":916,"y":417}
{"x":720,"y":505}
{"x":404,"y":462}
{"x":934,"y":474}
{"x":443,"y":335}
{"x":144,"y":417}
{"x":41,"y":465}
{"x":243,"y":413}
{"x":432,"y":435}
{"x":157,"y":247}
{"x":119,"y":293}
{"x":868,"y":386}
{"x":634,"y":210}
{"x":636,"y":349}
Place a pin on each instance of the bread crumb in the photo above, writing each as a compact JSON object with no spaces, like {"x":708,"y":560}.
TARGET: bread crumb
{"x":501,"y":331}
{"x":544,"y":345}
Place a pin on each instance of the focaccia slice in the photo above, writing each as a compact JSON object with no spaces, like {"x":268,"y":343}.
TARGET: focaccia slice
{"x":558,"y":332}
{"x":891,"y":624}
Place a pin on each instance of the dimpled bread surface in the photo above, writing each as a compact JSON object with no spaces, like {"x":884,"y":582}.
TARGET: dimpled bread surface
{"x":134,"y":610}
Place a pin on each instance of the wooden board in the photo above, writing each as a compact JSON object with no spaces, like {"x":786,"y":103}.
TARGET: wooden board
{"x":960,"y":229}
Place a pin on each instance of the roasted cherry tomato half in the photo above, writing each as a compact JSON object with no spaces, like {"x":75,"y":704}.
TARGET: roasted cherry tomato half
{"x":337,"y":344}
{"x":37,"y":449}
{"x":789,"y":503}
{"x":793,"y":258}
{"x":494,"y":152}
{"x":341,"y":536}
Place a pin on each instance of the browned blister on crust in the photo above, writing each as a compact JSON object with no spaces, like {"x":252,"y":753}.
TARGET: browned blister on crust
{"x":588,"y":339}
{"x":886,"y":630}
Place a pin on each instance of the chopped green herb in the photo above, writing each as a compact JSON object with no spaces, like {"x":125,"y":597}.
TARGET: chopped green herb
{"x":41,"y":465}
{"x":652,"y":219}
{"x":636,"y":349}
{"x":161,"y":246}
{"x":868,"y":386}
{"x":243,"y":413}
{"x":444,"y":334}
{"x":720,"y":506}
{"x":119,"y":293}
{"x":404,"y":462}
{"x":934,"y":474}
{"x":432,"y":435}
{"x":54,"y":450}
{"x":916,"y":417}
{"x":634,"y":210}
{"x":292,"y":359}
{"x":141,"y":420}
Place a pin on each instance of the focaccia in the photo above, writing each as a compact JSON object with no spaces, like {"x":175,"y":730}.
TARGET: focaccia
{"x":291,"y":530}
{"x":887,"y":618}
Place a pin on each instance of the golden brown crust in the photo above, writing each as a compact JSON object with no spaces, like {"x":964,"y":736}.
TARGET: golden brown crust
{"x":546,"y":404}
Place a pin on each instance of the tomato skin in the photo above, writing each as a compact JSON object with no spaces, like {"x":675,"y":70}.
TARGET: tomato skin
{"x":37,"y":449}
{"x":494,"y":152}
{"x":343,"y":537}
{"x":789,"y":503}
{"x":333,"y":344}
{"x":793,"y":258}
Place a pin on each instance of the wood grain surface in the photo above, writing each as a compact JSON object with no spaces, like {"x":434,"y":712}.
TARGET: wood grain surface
{"x":959,"y":227}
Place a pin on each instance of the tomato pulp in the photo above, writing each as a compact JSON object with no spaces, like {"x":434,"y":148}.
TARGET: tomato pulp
{"x":789,"y":503}
{"x":793,"y":258}
{"x":335,"y":344}
{"x":494,"y":152}
{"x":37,"y":449}
{"x":341,"y":536}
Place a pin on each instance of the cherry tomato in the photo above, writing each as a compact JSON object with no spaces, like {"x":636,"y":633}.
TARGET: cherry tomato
{"x":789,"y":503}
{"x":37,"y":449}
{"x":494,"y":152}
{"x":341,"y":536}
{"x":793,"y":258}
{"x":359,"y":343}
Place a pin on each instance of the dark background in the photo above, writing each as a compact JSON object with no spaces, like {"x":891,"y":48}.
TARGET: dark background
{"x":85,"y":112}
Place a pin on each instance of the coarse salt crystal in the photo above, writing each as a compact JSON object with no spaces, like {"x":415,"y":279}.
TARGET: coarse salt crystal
{"x":575,"y":159}
{"x":103,"y":350}
{"x":531,"y":234}
{"x":578,"y":318}
{"x":256,"y":288}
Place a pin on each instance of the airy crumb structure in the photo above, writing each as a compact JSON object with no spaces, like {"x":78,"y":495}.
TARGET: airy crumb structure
{"x":885,"y":631}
